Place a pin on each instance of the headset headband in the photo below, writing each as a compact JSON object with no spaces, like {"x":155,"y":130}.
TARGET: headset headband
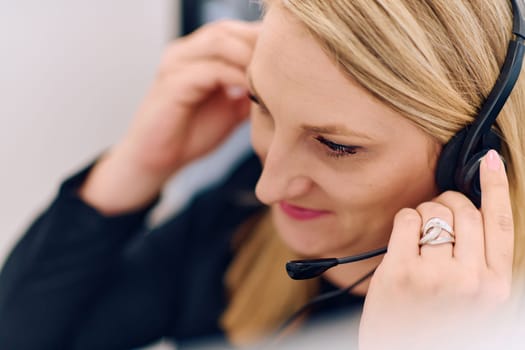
{"x":501,"y":90}
{"x":458,"y":164}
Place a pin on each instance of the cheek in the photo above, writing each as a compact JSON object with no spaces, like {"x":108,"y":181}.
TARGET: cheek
{"x":373,"y":196}
{"x":403,"y":190}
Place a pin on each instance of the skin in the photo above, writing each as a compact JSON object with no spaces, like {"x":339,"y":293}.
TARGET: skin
{"x":380,"y":195}
{"x":197,"y":99}
{"x":418,"y":294}
{"x":385,"y":192}
{"x":361,"y":192}
{"x":445,"y":296}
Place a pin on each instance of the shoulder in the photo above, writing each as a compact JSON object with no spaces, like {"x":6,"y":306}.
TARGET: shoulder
{"x":206,"y":225}
{"x":198,"y":244}
{"x":226,"y":202}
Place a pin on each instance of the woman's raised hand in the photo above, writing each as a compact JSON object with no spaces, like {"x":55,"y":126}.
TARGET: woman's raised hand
{"x":198,"y":98}
{"x":423,"y":296}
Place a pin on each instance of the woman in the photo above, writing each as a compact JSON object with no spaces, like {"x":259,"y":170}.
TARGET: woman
{"x":353,"y":102}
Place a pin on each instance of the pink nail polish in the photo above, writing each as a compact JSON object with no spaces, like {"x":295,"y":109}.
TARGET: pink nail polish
{"x":493,"y":160}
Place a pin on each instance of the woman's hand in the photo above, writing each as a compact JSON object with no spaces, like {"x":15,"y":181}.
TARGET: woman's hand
{"x":422,"y":296}
{"x":198,"y":98}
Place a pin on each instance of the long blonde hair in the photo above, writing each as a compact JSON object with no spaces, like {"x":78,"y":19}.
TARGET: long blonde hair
{"x":434,"y":61}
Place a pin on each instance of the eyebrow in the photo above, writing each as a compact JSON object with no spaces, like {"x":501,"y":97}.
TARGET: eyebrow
{"x":335,"y":129}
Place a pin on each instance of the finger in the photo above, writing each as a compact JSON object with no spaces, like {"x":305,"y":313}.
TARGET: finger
{"x":232,"y":42}
{"x":217,"y":47}
{"x":429,"y":210}
{"x":195,"y":83}
{"x":468,"y":228}
{"x":242,"y":108}
{"x":404,"y":239}
{"x":247,"y":31}
{"x":220,"y":45}
{"x":497,"y":214}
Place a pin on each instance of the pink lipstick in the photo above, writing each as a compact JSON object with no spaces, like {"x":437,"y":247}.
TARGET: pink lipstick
{"x":299,"y":213}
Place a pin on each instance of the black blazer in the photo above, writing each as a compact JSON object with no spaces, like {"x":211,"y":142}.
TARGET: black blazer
{"x":80,"y":280}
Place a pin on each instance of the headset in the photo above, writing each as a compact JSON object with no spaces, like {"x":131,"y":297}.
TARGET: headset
{"x":458,"y":165}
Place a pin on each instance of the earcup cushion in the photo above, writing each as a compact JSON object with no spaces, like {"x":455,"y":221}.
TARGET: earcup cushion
{"x":448,"y":162}
{"x":469,"y":175}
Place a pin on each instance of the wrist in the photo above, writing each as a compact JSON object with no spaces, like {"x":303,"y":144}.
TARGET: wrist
{"x":118,"y":184}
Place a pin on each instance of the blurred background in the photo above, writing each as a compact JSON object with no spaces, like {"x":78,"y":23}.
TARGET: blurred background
{"x":72,"y":75}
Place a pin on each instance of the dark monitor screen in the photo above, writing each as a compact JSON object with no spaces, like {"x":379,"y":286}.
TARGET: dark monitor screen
{"x":198,"y":12}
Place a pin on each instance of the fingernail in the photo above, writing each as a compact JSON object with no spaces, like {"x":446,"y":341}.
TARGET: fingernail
{"x":236,"y":92}
{"x":493,"y":160}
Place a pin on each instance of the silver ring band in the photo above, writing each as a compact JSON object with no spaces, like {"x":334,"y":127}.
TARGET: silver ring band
{"x":432,"y":232}
{"x":442,"y":240}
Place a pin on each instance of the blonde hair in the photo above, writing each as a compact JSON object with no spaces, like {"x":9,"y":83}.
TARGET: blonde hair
{"x":434,"y":61}
{"x":261,"y":296}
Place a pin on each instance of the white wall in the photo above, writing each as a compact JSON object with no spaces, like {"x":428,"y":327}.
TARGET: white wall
{"x":71,"y":76}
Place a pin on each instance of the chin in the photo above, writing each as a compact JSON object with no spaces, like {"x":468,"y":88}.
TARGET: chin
{"x":306,"y":239}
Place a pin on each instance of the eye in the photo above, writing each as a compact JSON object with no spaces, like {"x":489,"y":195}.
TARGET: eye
{"x":260,"y":106}
{"x":337,"y":150}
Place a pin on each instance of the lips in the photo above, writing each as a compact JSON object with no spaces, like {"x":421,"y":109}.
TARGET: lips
{"x":300,"y":213}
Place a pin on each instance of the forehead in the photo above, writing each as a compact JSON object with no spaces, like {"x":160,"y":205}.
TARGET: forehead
{"x":295,"y":77}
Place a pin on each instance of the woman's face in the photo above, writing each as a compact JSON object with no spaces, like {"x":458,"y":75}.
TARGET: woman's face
{"x":338,"y":163}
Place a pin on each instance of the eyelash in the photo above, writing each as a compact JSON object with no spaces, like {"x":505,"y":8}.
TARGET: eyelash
{"x":335,"y":150}
{"x":259,"y":106}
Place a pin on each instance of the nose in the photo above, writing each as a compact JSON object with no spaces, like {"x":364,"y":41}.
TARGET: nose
{"x":284,"y":176}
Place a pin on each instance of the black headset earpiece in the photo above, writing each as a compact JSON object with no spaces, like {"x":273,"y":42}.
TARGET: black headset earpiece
{"x":469,"y":178}
{"x":458,"y":165}
{"x":468,"y":175}
{"x":464,"y":178}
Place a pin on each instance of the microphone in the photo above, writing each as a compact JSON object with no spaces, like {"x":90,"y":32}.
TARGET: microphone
{"x":310,"y":268}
